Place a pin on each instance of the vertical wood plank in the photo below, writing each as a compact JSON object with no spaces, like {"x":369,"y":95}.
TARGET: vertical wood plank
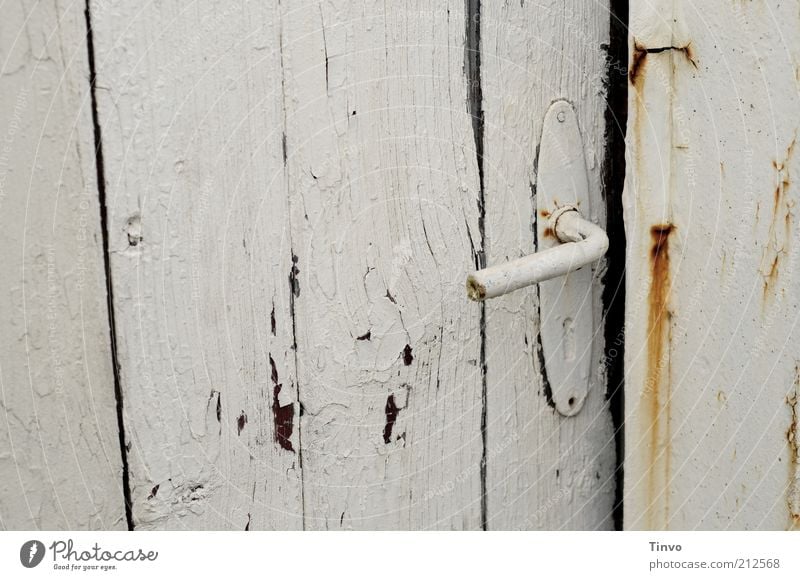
{"x":383,"y":188}
{"x":544,"y":471}
{"x":60,"y":461}
{"x":713,"y":281}
{"x":192,"y":113}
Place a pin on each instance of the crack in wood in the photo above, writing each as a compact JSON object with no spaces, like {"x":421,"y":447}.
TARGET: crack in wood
{"x":104,"y":227}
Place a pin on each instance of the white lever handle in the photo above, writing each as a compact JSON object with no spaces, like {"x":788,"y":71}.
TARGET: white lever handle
{"x":582,"y":243}
{"x":567,"y":243}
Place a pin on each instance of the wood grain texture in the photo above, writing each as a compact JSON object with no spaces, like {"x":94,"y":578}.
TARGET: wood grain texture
{"x":192,"y":112}
{"x":712,"y":307}
{"x":544,"y":471}
{"x":383,"y":188}
{"x":60,"y":461}
{"x":294,"y":198}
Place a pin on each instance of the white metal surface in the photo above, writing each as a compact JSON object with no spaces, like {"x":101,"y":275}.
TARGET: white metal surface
{"x":713,"y":287}
{"x":565,"y":305}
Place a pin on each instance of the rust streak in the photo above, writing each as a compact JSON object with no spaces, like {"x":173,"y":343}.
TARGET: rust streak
{"x":637,"y":63}
{"x":777,"y":244}
{"x":793,"y":489}
{"x":657,"y":393}
{"x":639,"y":59}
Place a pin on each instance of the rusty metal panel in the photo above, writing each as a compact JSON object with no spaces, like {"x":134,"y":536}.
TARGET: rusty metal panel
{"x":712,"y":284}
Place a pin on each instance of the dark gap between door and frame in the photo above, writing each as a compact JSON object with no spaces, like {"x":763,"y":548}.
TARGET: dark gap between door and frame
{"x":472,"y":65}
{"x":616,"y":116}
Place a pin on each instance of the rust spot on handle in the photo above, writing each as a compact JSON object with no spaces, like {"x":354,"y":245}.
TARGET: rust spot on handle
{"x":657,"y":393}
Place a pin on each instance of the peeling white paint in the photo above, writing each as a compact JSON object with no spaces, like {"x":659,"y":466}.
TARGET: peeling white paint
{"x":60,"y":462}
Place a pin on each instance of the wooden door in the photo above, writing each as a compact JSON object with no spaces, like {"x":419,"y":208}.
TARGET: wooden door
{"x":60,"y":461}
{"x":292,"y":197}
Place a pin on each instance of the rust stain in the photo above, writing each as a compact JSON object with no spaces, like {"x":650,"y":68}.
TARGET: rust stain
{"x":780,"y":228}
{"x":549,"y":233}
{"x":637,"y":63}
{"x":688,"y":52}
{"x":639,"y":59}
{"x":793,"y":489}
{"x":657,"y":393}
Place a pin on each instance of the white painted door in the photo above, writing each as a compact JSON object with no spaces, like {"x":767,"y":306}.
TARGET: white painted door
{"x":235,"y":243}
{"x":295,"y":197}
{"x":712,"y":279}
{"x":60,"y":462}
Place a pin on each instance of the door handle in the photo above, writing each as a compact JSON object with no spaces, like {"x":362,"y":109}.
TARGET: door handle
{"x":582,"y":243}
{"x":567,"y":244}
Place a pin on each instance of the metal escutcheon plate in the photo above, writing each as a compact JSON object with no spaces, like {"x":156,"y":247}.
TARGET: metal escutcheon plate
{"x":565,"y":304}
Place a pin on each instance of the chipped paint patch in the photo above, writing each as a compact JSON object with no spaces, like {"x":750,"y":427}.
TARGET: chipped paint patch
{"x":391,"y":411}
{"x":656,"y":394}
{"x":282,"y":415}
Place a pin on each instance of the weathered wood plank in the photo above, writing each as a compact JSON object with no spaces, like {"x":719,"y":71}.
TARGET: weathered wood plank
{"x":544,"y":471}
{"x":60,"y":461}
{"x":192,"y":114}
{"x":383,"y":187}
{"x":711,"y":362}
